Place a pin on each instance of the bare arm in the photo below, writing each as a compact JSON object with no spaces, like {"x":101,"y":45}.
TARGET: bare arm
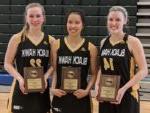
{"x":93,"y":66}
{"x":9,"y":60}
{"x":57,"y":92}
{"x":54,"y":57}
{"x":10,"y":55}
{"x":97,"y":83}
{"x":50,"y":70}
{"x":136,"y":49}
{"x":80,"y":93}
{"x":139,"y":56}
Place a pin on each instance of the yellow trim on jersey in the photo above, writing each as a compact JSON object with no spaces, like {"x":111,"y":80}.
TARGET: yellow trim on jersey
{"x":90,"y":45}
{"x":35,"y":42}
{"x":75,"y":48}
{"x":50,"y":38}
{"x":18,"y":37}
{"x":117,"y":42}
{"x":134,"y":92}
{"x":58,"y":44}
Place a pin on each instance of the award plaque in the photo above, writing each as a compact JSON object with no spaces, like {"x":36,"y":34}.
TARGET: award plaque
{"x":70,"y":80}
{"x":109,"y":85}
{"x":34,"y":79}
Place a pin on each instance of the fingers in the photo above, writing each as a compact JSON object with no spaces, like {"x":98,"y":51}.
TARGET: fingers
{"x":46,"y":81}
{"x":21,"y":85}
{"x":80,"y":93}
{"x":58,"y":92}
{"x":114,"y":102}
{"x":118,"y":98}
{"x":22,"y":88}
{"x":46,"y":84}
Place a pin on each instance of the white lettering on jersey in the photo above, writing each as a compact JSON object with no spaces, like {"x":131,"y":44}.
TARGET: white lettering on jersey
{"x":28,"y":52}
{"x":113,"y":52}
{"x":17,"y":107}
{"x":65,"y":60}
{"x":73,"y":60}
{"x":79,"y":60}
{"x":42,"y":52}
{"x":35,"y":52}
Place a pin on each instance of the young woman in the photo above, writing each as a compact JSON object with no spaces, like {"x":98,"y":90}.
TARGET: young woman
{"x":119,"y":55}
{"x":30,"y":48}
{"x":76,"y":52}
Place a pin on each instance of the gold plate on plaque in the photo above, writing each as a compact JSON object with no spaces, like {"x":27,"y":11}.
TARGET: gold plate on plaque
{"x":70,"y":80}
{"x":109,"y":85}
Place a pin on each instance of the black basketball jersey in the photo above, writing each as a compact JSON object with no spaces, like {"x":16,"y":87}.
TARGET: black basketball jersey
{"x":31,"y":55}
{"x":79,"y":58}
{"x":117,"y":60}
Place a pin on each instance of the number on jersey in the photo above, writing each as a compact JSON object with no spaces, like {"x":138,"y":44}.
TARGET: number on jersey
{"x":108,"y":64}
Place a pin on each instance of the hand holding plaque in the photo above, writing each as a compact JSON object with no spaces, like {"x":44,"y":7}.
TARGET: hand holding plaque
{"x":34,"y":79}
{"x":109,"y":85}
{"x":70,"y":78}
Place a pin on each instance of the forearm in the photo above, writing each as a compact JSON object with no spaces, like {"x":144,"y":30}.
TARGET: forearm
{"x":91,"y":82}
{"x":97,"y":83}
{"x":49,"y":72}
{"x":136,"y":79}
{"x":54,"y":80}
{"x":12,"y":71}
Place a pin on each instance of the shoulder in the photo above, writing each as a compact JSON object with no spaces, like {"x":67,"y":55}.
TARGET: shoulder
{"x":16,"y":38}
{"x":91,"y":45}
{"x":92,"y":48}
{"x":14,"y":42}
{"x":133,"y":43}
{"x":56,"y":44}
{"x":102,"y":42}
{"x":51,"y":39}
{"x":132,"y":39}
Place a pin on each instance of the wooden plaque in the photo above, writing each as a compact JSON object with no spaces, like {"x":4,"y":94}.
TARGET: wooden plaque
{"x":109,"y":85}
{"x":70,"y":80}
{"x":34,"y":79}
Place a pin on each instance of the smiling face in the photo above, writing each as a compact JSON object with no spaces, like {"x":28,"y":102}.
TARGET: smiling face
{"x":34,"y":17}
{"x":74,"y":24}
{"x":115,"y":22}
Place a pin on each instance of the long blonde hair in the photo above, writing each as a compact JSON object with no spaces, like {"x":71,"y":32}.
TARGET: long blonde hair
{"x":26,"y":26}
